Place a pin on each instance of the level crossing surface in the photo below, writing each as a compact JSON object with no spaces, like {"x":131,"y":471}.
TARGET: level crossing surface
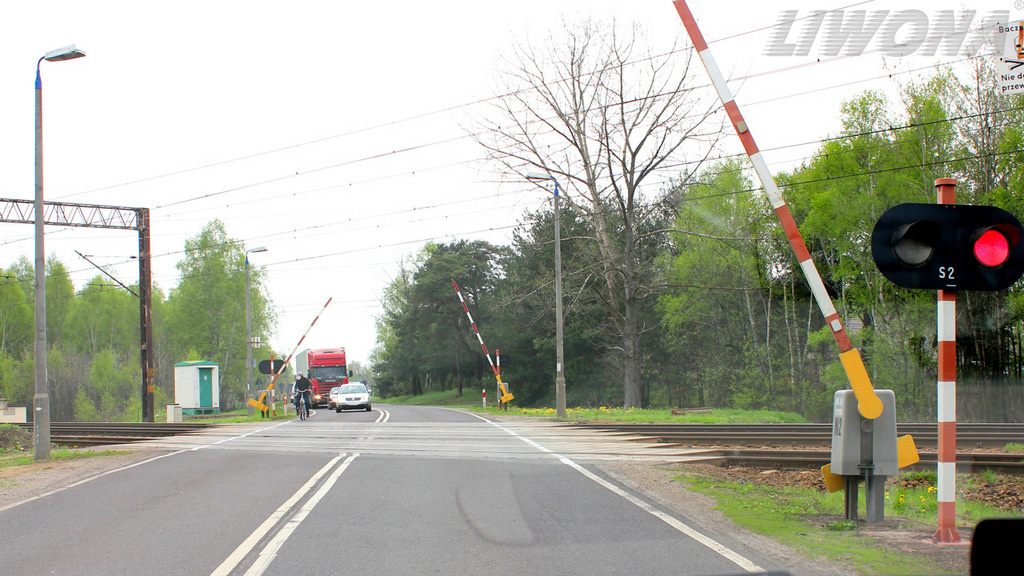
{"x":397,"y":490}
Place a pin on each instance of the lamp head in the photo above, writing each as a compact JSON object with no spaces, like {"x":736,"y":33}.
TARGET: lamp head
{"x":536,"y":177}
{"x":66,"y":53}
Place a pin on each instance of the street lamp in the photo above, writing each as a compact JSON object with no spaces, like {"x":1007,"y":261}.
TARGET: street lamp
{"x":559,"y":356}
{"x":41,"y":400}
{"x":248,"y":329}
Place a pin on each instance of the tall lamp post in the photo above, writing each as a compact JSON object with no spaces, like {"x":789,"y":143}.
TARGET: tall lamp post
{"x":559,"y":356}
{"x":41,"y":400}
{"x":248,"y":329}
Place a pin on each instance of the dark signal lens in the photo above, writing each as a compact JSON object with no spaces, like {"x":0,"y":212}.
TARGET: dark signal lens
{"x":991,"y":248}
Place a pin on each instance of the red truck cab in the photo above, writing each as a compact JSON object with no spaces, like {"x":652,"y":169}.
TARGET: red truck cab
{"x":325,"y":368}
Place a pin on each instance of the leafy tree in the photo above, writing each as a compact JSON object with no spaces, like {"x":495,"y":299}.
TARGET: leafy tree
{"x":106,"y":318}
{"x":16,"y":314}
{"x":728,"y":277}
{"x":394,"y":371}
{"x":17,"y":378}
{"x":602,"y":115}
{"x":523,"y":315}
{"x":206,"y":311}
{"x":60,"y":299}
{"x":427,"y":334}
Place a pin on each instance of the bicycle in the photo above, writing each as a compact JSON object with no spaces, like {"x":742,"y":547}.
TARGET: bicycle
{"x":301,"y":407}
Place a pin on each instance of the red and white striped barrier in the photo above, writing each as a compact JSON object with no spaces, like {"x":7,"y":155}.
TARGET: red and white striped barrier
{"x":868,"y":403}
{"x":494,"y":369}
{"x":304,"y":334}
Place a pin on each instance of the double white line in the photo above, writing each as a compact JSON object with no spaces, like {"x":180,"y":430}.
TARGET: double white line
{"x":269,"y":551}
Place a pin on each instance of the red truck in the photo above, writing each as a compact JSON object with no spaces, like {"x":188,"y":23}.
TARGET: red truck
{"x":325,"y":368}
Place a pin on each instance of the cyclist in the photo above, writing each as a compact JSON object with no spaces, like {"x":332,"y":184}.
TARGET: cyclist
{"x":304,"y":387}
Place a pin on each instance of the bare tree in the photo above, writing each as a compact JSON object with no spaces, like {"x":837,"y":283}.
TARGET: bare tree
{"x":604,"y":116}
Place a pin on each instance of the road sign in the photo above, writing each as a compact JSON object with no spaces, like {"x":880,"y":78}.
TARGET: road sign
{"x":1011,"y":65}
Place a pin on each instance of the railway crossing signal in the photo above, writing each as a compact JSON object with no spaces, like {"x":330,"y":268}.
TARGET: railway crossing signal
{"x":269,"y":367}
{"x":949,"y":247}
{"x":866,"y":450}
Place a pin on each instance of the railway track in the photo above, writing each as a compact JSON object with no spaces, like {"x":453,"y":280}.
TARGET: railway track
{"x":101,"y":433}
{"x":808,"y":445}
{"x":768,"y":445}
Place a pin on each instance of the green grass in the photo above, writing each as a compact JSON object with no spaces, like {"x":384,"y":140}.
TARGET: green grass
{"x":1014,"y":447}
{"x":61,"y":453}
{"x":786,"y":516}
{"x":812,"y":521}
{"x":603,"y":414}
{"x":446,"y":398}
{"x":716,"y":416}
{"x":14,"y":439}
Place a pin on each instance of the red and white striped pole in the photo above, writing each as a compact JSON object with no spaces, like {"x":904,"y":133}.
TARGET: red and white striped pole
{"x":947,"y":533}
{"x":494,"y":369}
{"x":304,"y":334}
{"x":868,"y":403}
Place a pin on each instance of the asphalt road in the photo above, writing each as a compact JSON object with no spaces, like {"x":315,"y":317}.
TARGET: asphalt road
{"x":398,"y":490}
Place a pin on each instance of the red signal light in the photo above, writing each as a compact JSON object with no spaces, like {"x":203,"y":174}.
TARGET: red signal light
{"x":991,"y":248}
{"x":949,"y":247}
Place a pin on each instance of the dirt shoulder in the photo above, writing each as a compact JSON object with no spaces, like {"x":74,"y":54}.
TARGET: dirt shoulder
{"x":21,"y":483}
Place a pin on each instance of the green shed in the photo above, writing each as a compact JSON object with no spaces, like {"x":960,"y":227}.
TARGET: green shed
{"x":197,"y":387}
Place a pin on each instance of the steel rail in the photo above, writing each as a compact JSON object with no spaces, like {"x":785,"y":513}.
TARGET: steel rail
{"x":102,"y":433}
{"x":925,"y":435}
{"x":966,"y":462}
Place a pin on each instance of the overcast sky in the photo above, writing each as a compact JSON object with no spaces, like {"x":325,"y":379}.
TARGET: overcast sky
{"x":334,"y":133}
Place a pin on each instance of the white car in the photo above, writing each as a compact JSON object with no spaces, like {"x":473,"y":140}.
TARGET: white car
{"x":332,"y":398}
{"x":351,"y":396}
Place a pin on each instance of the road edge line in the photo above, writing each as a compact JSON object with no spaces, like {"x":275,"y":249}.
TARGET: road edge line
{"x":708,"y":542}
{"x":125,"y":467}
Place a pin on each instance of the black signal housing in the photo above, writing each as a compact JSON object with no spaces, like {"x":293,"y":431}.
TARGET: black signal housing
{"x":949,"y":247}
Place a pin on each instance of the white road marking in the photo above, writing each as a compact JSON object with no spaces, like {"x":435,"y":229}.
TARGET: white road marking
{"x":239,"y":436}
{"x":712,"y":544}
{"x":128,"y":467}
{"x":269,"y":551}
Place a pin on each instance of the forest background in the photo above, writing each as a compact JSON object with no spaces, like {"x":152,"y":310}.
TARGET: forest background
{"x":685,"y":296}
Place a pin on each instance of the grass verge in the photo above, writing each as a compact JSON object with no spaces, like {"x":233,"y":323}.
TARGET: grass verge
{"x":603,"y":414}
{"x":812,"y":521}
{"x":61,"y":453}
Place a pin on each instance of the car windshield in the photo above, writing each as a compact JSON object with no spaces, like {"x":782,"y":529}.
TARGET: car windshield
{"x":353,"y":389}
{"x":328,"y":373}
{"x":336,"y":390}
